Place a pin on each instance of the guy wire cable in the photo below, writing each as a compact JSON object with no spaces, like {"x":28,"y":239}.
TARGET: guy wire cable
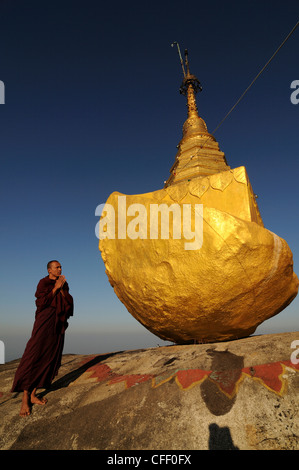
{"x":247,"y":89}
{"x":261,"y":71}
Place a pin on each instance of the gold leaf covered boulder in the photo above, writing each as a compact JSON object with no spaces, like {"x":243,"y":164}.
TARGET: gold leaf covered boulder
{"x":193,"y":261}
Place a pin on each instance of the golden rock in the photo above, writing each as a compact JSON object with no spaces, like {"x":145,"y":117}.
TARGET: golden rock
{"x":193,"y":261}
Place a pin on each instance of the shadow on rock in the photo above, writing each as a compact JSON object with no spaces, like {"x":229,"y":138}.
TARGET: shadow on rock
{"x":217,"y":391}
{"x":67,"y":379}
{"x":220,"y":438}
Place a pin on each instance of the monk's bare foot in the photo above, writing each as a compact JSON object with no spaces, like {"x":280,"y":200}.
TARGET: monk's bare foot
{"x":25,"y":407}
{"x":37,"y":401}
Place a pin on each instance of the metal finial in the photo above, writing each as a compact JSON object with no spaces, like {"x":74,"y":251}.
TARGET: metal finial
{"x":189,"y":79}
{"x":187,"y":62}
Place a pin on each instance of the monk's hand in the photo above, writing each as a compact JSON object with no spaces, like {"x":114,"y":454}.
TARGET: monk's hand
{"x":59,"y":282}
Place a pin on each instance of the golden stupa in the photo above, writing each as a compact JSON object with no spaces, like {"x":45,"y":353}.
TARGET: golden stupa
{"x":192,"y":262}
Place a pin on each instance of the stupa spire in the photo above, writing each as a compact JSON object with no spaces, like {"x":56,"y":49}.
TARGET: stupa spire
{"x":199,"y":153}
{"x":190,"y":86}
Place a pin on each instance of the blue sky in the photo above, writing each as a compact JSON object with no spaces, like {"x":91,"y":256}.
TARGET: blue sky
{"x":92,"y":106}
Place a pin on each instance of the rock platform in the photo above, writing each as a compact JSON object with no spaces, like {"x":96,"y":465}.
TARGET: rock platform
{"x":238,"y":395}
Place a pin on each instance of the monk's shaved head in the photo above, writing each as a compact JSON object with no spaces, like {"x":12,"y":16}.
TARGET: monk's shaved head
{"x":50,"y":262}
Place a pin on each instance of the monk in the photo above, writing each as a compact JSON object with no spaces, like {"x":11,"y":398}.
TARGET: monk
{"x":42,"y":356}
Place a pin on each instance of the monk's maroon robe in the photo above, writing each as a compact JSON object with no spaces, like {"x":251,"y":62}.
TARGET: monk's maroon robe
{"x":42,"y":356}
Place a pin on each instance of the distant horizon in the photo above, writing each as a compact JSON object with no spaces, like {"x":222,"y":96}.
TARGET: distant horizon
{"x":98,"y":343}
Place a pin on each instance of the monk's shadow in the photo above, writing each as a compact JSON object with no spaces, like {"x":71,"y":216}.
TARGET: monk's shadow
{"x":67,"y":379}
